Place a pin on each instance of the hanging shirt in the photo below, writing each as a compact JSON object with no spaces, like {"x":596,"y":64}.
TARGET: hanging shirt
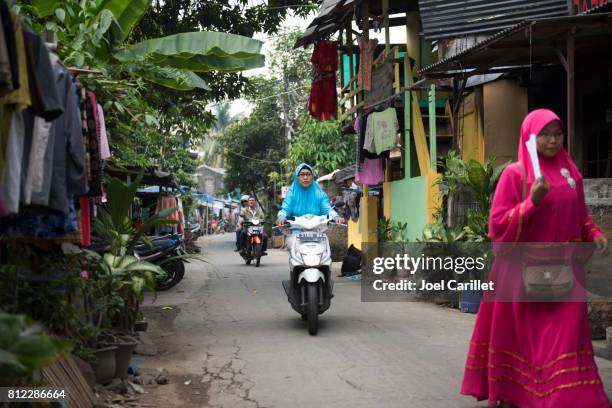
{"x":366,"y":55}
{"x":12,"y":173}
{"x":9,"y":31}
{"x":325,"y":56}
{"x":382,"y":83}
{"x":322,"y":103}
{"x":381,"y":131}
{"x":6,"y":81}
{"x":372,"y":173}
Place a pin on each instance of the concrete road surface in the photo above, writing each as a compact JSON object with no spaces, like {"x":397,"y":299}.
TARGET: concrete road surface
{"x":229,"y":338}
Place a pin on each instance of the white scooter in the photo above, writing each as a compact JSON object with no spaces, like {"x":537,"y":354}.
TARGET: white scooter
{"x":310,"y":288}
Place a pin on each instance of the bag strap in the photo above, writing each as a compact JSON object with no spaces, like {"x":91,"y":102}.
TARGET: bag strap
{"x":523,"y":181}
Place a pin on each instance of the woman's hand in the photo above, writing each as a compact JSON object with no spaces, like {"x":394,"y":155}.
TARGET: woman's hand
{"x":601,"y":243}
{"x":539,"y":190}
{"x":280,"y":223}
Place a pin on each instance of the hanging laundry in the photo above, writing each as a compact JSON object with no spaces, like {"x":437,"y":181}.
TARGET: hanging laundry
{"x":379,"y":97}
{"x":322,"y":103}
{"x":92,"y":136}
{"x":43,"y":172}
{"x":11,"y":134}
{"x":325,"y":56}
{"x":372,"y":173}
{"x":8,"y":32}
{"x":366,"y":56}
{"x":381,"y":131}
{"x":362,"y":154}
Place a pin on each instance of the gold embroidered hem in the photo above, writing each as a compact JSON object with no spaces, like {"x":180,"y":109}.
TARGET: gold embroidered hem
{"x":531,"y":377}
{"x":524,"y":360}
{"x":548,"y":392}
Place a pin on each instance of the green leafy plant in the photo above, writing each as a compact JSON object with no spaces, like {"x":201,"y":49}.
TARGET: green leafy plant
{"x":476,"y":179}
{"x":384,"y":230}
{"x":24,"y":348}
{"x":321,"y":144}
{"x":114,"y":224}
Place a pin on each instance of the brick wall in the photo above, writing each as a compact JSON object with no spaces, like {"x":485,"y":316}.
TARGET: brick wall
{"x":338,"y":241}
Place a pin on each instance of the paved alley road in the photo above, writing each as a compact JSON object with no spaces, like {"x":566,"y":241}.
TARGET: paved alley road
{"x":230,"y":339}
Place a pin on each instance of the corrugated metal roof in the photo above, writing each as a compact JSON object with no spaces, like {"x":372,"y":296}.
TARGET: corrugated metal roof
{"x":511,"y":46}
{"x":455,"y":18}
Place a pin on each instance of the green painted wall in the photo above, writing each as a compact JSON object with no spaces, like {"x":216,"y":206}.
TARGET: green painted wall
{"x":409,"y":204}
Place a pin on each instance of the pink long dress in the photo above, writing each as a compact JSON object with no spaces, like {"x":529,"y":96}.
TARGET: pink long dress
{"x":536,"y":355}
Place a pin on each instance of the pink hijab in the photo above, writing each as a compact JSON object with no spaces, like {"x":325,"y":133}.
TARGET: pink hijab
{"x":533,"y":123}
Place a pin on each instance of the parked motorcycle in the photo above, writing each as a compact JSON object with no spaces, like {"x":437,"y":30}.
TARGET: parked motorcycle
{"x":310,"y":288}
{"x":163,"y":253}
{"x":254,"y":242}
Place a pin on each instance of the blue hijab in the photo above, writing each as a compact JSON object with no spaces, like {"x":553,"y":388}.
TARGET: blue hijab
{"x":301,"y":201}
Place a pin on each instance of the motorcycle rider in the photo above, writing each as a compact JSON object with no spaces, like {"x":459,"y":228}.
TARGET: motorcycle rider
{"x":247,"y":214}
{"x":305,"y":197}
{"x":243,"y":204}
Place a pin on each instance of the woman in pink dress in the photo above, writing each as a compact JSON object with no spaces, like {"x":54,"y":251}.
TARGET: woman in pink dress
{"x":536,"y":354}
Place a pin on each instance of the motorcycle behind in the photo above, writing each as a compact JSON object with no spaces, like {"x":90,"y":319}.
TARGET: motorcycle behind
{"x":254,"y":242}
{"x":310,"y":287}
{"x":163,"y":253}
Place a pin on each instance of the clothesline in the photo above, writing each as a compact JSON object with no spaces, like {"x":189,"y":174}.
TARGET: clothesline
{"x":265,"y":97}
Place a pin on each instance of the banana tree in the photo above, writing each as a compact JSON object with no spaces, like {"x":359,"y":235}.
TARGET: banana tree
{"x":94,"y":32}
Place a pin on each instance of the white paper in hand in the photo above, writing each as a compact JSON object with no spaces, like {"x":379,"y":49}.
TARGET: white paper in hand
{"x":533,"y":153}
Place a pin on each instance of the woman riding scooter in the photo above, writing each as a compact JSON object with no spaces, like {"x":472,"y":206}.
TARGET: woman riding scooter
{"x":305,"y":197}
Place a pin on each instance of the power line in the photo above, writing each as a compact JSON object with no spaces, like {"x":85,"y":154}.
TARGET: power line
{"x":253,"y":158}
{"x":264,"y":98}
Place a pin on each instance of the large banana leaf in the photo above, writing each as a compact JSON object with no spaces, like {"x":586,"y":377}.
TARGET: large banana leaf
{"x":45,"y":7}
{"x":181,"y":80}
{"x":127,"y":13}
{"x":198,"y":51}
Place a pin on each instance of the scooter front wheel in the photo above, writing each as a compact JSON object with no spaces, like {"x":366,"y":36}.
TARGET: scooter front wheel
{"x":312,"y":308}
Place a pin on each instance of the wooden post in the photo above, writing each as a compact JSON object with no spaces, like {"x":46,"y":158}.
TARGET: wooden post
{"x":571,"y":93}
{"x":407,"y":116}
{"x":432,"y":127}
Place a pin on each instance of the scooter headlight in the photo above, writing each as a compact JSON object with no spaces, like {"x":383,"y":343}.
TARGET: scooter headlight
{"x":312,"y":260}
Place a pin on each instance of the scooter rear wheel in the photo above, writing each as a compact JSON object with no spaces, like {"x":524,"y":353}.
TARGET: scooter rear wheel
{"x":312,"y":308}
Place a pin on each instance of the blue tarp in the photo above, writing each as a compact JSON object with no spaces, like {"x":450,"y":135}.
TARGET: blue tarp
{"x":205,"y":198}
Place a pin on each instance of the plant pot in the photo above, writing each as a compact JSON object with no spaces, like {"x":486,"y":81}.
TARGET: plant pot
{"x":106,"y":364}
{"x":125,"y":347}
{"x":141,"y":326}
{"x":123,"y":356}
